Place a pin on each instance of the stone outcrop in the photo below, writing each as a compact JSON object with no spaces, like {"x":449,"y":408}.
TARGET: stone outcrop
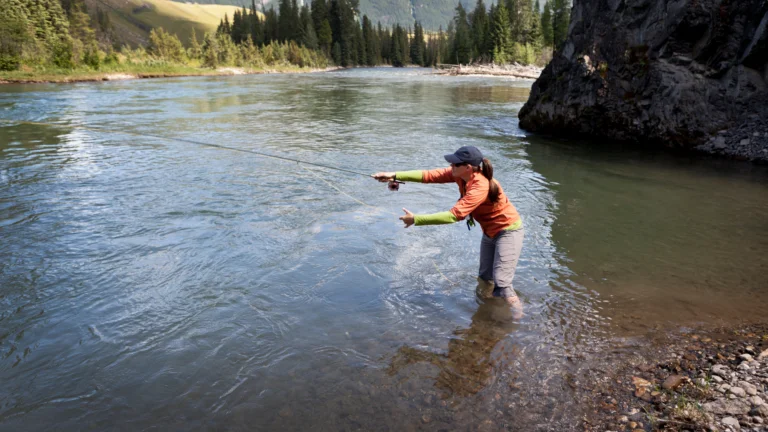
{"x":680,"y":73}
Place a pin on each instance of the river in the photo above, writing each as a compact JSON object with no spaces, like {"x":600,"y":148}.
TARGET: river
{"x":148,"y":283}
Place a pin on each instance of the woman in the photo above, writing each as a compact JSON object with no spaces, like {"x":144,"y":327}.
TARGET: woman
{"x":483,"y":200}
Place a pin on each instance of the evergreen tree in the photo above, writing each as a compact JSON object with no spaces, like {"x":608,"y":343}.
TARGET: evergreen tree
{"x":546,"y":24}
{"x":14,"y":35}
{"x":417,"y":45}
{"x":397,"y":54}
{"x":561,"y":16}
{"x":284,"y":21}
{"x":325,"y":37}
{"x":166,"y":46}
{"x":271,"y":30}
{"x":371,"y":45}
{"x":480,"y":31}
{"x":502,"y":35}
{"x":210,"y":50}
{"x":195,"y":51}
{"x":308,"y":35}
{"x":257,"y":29}
{"x":462,"y":45}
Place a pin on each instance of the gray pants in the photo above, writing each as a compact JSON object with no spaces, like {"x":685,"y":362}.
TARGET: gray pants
{"x":498,"y":260}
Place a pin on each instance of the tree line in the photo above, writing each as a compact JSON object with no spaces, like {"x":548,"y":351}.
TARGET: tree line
{"x":512,"y":30}
{"x":62,"y":34}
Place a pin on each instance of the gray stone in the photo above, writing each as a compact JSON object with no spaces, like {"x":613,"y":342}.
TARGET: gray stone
{"x":744,"y":366}
{"x":723,"y":406}
{"x":746,"y":357}
{"x":744,"y":142}
{"x":761,"y":411}
{"x":731,"y":422}
{"x":756,"y":400}
{"x":717,"y":379}
{"x":720,"y":370}
{"x":748,"y":388}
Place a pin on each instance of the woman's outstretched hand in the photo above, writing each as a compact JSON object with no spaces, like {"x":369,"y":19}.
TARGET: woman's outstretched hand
{"x":407,"y":219}
{"x":384,"y":176}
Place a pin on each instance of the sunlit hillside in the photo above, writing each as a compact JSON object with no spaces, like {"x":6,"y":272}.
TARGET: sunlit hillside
{"x":133,"y":19}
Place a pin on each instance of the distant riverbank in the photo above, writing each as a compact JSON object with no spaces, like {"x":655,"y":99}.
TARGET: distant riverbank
{"x":513,"y":70}
{"x":141,"y":71}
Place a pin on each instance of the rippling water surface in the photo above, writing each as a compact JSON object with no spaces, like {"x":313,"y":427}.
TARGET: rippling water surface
{"x":154,"y":284}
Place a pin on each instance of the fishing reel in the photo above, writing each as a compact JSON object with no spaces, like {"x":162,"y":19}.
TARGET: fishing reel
{"x":394,"y":185}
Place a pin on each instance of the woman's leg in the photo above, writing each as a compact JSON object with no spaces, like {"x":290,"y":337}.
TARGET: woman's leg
{"x":509,"y":244}
{"x":485,"y":274}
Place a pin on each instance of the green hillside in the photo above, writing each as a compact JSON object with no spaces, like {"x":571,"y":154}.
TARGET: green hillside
{"x":134,"y":18}
{"x":431,"y":13}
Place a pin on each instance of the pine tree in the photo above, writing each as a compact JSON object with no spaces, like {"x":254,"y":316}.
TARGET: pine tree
{"x":561,"y":16}
{"x":369,"y":39}
{"x":257,"y":29}
{"x":462,"y":45}
{"x":417,"y":45}
{"x":195,"y":51}
{"x":14,"y":35}
{"x":502,"y":35}
{"x":480,"y":30}
{"x":546,"y":24}
{"x":210,"y":50}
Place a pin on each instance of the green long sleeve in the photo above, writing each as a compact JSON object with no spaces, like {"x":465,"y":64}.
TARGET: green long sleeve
{"x":441,"y":218}
{"x":410,"y":176}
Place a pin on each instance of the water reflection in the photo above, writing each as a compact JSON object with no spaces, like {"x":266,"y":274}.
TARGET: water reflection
{"x":468,"y":366}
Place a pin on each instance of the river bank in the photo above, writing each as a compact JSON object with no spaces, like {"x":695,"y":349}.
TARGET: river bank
{"x":514,"y":70}
{"x":708,"y":379}
{"x":141,"y":72}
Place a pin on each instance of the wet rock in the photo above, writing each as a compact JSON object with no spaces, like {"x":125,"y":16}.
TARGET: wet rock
{"x":673,"y":382}
{"x":731,"y":422}
{"x":723,"y":406}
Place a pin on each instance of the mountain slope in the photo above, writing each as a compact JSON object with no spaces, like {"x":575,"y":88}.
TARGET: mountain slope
{"x":133,"y":19}
{"x":431,"y":13}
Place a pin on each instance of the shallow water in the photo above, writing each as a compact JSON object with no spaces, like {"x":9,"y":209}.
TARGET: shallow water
{"x":153,"y":284}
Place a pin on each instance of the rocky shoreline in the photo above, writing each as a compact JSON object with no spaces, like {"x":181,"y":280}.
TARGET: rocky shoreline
{"x":119,"y":76}
{"x":702,"y":381}
{"x":514,"y":70}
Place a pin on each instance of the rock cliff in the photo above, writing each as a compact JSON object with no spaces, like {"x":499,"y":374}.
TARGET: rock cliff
{"x":680,"y":73}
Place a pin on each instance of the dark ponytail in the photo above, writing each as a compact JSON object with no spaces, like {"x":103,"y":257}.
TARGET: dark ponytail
{"x":493,"y":188}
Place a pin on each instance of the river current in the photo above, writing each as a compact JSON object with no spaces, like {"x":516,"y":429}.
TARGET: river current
{"x":153,"y":284}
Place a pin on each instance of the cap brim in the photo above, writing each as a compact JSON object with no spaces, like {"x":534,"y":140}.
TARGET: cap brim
{"x":452,"y":158}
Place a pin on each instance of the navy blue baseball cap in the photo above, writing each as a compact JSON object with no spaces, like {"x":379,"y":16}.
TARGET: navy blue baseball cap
{"x":466,"y":154}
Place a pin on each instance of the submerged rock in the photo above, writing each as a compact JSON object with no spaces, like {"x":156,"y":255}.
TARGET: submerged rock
{"x":667,"y":72}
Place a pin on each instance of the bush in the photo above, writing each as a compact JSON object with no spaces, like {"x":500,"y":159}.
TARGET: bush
{"x":165,"y":46}
{"x":91,"y":57}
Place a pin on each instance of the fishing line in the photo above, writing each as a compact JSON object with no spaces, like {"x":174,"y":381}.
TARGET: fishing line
{"x":223,"y":147}
{"x":189,"y":141}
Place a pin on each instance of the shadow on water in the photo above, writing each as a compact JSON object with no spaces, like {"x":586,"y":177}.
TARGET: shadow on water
{"x":652,"y":232}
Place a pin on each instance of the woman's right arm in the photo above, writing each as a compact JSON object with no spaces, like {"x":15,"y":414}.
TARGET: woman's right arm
{"x":439,"y":175}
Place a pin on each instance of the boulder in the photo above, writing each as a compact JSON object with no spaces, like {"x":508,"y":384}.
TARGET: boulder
{"x":669,"y":72}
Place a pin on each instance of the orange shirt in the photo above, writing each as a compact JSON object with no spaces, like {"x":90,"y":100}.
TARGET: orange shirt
{"x":492,"y":217}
